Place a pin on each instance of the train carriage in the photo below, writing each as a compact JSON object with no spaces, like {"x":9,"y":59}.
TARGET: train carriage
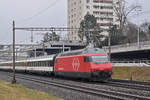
{"x":39,"y":64}
{"x":88,"y":63}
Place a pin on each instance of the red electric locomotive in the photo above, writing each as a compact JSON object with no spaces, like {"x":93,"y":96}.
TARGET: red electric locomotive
{"x":89,"y":63}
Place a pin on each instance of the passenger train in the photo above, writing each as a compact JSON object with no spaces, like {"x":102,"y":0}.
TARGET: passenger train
{"x":88,"y":63}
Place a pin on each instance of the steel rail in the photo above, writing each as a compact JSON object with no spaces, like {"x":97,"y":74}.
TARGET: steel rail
{"x":129,"y":85}
{"x":84,"y":89}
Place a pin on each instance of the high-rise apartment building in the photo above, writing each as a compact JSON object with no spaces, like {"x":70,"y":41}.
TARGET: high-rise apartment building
{"x":103,"y":10}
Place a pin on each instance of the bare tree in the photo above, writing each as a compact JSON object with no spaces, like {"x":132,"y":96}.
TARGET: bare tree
{"x":123,"y":10}
{"x":145,"y":29}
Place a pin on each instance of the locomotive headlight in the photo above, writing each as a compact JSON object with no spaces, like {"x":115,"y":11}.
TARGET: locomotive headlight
{"x":102,"y":69}
{"x":95,"y":70}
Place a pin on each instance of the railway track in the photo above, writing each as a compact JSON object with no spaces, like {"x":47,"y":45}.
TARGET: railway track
{"x":129,"y":84}
{"x":84,"y":89}
{"x":129,"y":81}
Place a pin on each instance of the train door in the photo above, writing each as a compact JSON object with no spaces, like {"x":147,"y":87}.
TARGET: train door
{"x":87,"y":63}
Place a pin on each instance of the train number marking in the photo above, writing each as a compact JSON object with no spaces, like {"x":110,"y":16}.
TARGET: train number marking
{"x":76,"y":64}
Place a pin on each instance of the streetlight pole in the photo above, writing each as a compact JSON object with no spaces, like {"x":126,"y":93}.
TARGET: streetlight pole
{"x":138,"y":23}
{"x":14,"y":78}
{"x":109,"y":45}
{"x":138,"y":40}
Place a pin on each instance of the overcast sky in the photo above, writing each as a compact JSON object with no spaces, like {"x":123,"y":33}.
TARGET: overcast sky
{"x":44,"y":13}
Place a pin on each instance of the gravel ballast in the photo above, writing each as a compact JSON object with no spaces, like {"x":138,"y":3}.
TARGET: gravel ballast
{"x":69,"y":94}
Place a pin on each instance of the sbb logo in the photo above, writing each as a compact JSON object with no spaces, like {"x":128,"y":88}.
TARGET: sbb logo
{"x":76,"y":64}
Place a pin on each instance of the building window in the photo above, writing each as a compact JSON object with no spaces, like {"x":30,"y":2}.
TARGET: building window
{"x":103,"y":1}
{"x":87,"y":1}
{"x":88,"y":7}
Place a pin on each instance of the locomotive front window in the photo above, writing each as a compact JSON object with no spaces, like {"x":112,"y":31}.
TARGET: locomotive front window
{"x":99,"y":59}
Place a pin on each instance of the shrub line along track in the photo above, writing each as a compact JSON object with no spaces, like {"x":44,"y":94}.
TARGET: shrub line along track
{"x":129,"y":84}
{"x":84,"y":89}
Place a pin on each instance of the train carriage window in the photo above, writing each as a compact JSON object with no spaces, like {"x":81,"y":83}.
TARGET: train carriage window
{"x":18,"y":64}
{"x":52,"y":63}
{"x":28,"y":64}
{"x":33,"y":64}
{"x":47,"y":63}
{"x":15,"y":64}
{"x":22,"y":64}
{"x":42,"y":63}
{"x":38,"y":63}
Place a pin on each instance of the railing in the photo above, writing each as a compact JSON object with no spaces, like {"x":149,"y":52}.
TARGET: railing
{"x":141,"y":44}
{"x":134,"y":61}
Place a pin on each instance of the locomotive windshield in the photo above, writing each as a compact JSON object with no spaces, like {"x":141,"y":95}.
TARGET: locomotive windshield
{"x":99,"y":59}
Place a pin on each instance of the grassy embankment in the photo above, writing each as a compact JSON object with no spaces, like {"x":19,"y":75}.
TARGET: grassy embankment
{"x":132,"y":73}
{"x":19,"y":92}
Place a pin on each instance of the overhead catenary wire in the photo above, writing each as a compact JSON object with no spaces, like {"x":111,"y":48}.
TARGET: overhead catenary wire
{"x":40,"y":12}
